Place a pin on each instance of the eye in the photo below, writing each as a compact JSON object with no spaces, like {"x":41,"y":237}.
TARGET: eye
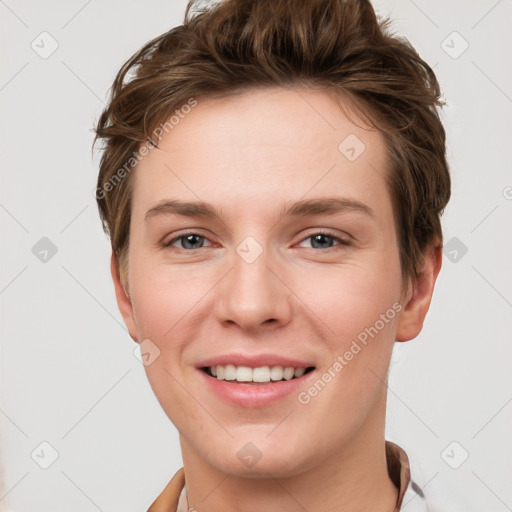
{"x":188,"y":241}
{"x":324,"y":240}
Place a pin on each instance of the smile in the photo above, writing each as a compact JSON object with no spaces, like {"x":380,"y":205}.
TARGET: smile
{"x":258,"y":375}
{"x":254,"y":387}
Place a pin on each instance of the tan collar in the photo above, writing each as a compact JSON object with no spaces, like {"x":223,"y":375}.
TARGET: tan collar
{"x":398,"y":469}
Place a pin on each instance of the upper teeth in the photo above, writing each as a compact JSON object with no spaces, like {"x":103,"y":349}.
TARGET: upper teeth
{"x":259,"y":374}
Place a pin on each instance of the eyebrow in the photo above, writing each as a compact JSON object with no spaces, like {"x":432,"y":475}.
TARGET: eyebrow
{"x":301,"y":208}
{"x":322,"y":205}
{"x":188,"y":209}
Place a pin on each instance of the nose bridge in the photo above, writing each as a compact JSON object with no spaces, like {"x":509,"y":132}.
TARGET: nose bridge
{"x":252,"y":294}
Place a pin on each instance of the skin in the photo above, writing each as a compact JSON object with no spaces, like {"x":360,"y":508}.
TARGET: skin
{"x":249,"y":155}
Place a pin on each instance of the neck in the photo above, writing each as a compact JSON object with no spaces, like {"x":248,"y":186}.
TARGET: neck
{"x":353,"y":477}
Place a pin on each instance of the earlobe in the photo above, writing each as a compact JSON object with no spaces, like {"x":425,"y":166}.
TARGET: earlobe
{"x":123,"y":300}
{"x":419,"y":295}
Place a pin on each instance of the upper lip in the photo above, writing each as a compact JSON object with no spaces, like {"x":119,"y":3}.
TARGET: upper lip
{"x":254,"y":361}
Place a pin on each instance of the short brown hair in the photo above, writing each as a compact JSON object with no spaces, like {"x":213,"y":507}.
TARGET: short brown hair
{"x":332,"y":45}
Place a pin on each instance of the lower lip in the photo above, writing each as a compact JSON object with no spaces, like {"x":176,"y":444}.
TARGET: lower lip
{"x":254,"y":395}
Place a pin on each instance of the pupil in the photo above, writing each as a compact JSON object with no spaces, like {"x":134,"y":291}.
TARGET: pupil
{"x":319,"y":238}
{"x":189,"y":241}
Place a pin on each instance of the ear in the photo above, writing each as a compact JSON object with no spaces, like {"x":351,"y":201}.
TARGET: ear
{"x":419,"y":295}
{"x":123,"y":300}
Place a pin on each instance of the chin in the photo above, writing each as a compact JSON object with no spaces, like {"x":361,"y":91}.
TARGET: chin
{"x":244,"y":458}
{"x":278,"y":466}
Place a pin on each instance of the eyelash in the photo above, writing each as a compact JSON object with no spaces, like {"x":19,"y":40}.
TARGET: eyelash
{"x":328,"y":234}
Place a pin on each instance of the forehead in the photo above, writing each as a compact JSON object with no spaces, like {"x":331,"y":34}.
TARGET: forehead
{"x":265,"y":147}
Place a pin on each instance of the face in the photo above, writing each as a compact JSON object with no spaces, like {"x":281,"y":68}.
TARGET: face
{"x":262,"y":236}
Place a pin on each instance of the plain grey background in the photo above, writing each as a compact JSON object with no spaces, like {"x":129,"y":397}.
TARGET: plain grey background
{"x":69,"y":378}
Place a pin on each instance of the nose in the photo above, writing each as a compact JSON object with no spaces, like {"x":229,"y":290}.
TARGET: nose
{"x":253,"y":295}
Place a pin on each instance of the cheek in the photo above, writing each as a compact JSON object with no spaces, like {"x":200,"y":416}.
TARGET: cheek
{"x":163,"y":299}
{"x":351,"y":298}
{"x":361,"y":309}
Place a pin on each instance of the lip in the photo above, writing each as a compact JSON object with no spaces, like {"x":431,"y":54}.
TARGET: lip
{"x":255,"y":395}
{"x":254,"y":361}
